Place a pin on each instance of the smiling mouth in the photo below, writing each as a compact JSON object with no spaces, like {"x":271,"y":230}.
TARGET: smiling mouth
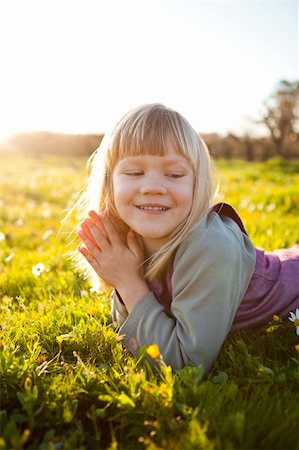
{"x":152,"y":208}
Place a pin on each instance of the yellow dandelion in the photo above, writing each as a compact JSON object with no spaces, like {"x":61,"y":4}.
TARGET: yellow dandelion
{"x":148,"y":390}
{"x":93,"y":311}
{"x":153,"y":351}
{"x":297,"y":347}
{"x":28,"y":383}
{"x":271,"y":329}
{"x":263,"y":370}
{"x":276,"y":318}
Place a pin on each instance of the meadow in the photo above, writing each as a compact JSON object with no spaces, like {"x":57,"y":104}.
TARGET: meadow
{"x":66,"y":380}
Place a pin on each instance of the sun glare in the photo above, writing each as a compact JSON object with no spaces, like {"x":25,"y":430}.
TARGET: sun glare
{"x":74,"y":69}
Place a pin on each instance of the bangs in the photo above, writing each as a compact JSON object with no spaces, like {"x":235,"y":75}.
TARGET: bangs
{"x":149,"y":130}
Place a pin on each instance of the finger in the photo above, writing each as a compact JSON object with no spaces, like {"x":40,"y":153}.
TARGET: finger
{"x":85,"y":229}
{"x":112,"y":232}
{"x":96,"y":219}
{"x":90,"y":259}
{"x":100,"y":239}
{"x":89,"y":244}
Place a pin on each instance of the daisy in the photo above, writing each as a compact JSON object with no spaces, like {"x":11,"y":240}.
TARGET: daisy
{"x":38,"y":269}
{"x":294,"y":317}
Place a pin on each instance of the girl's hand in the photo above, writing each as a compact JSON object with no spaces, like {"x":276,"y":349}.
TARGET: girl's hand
{"x":118,"y":263}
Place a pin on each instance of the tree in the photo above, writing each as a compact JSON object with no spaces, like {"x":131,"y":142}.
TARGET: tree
{"x":281,"y":115}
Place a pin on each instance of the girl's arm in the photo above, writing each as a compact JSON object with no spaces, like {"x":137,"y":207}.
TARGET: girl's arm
{"x":212,"y":270}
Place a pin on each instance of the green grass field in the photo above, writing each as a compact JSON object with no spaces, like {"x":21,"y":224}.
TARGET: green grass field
{"x":67,"y":382}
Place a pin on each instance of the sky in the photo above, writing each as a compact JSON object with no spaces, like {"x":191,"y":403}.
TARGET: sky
{"x":78,"y":66}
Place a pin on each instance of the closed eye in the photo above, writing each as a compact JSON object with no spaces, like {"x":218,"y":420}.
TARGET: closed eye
{"x":134,"y":173}
{"x":175,"y":174}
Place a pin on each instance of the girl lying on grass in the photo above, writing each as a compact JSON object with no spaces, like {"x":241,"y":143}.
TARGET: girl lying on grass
{"x":184,"y":272}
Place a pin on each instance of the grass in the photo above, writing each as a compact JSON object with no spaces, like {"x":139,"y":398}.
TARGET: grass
{"x":66,"y":380}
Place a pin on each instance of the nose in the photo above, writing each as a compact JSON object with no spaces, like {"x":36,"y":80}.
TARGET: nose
{"x":153,"y":185}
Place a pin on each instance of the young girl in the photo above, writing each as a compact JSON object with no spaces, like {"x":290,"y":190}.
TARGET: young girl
{"x":184,"y":272}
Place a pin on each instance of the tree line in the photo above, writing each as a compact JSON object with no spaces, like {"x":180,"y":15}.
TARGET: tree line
{"x":279,"y":117}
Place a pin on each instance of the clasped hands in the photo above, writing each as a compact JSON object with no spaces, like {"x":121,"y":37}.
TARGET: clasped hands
{"x":119,"y":262}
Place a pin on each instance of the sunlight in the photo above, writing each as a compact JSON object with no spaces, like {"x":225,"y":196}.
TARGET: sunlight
{"x":76,"y":68}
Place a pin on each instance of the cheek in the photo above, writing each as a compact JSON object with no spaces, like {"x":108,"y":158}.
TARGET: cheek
{"x":120,"y":195}
{"x":119,"y":214}
{"x":186,"y":193}
{"x":187,"y":199}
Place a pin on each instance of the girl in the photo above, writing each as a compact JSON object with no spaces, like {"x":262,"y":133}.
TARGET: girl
{"x":184,"y":273}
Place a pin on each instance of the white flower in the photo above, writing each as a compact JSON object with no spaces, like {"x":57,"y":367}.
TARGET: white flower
{"x":260,"y":206}
{"x":270,"y":207}
{"x":38,"y":269}
{"x":294,"y":317}
{"x":19,"y":222}
{"x":63,"y":337}
{"x":47,"y":234}
{"x":2,"y":237}
{"x":46,"y":213}
{"x":9,"y":257}
{"x":244,"y":203}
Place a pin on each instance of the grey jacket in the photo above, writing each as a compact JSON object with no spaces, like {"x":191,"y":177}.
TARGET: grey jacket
{"x":212,"y":269}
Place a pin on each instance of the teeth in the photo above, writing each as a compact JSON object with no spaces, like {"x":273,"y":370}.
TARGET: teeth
{"x":153,"y":208}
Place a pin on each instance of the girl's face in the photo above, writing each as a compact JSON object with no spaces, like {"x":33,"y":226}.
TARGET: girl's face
{"x":153,"y":195}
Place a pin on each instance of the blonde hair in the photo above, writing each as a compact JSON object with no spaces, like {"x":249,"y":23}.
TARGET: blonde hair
{"x":148,"y":129}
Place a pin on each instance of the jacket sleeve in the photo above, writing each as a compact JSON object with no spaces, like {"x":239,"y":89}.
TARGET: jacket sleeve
{"x":212,"y":270}
{"x":118,"y":312}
